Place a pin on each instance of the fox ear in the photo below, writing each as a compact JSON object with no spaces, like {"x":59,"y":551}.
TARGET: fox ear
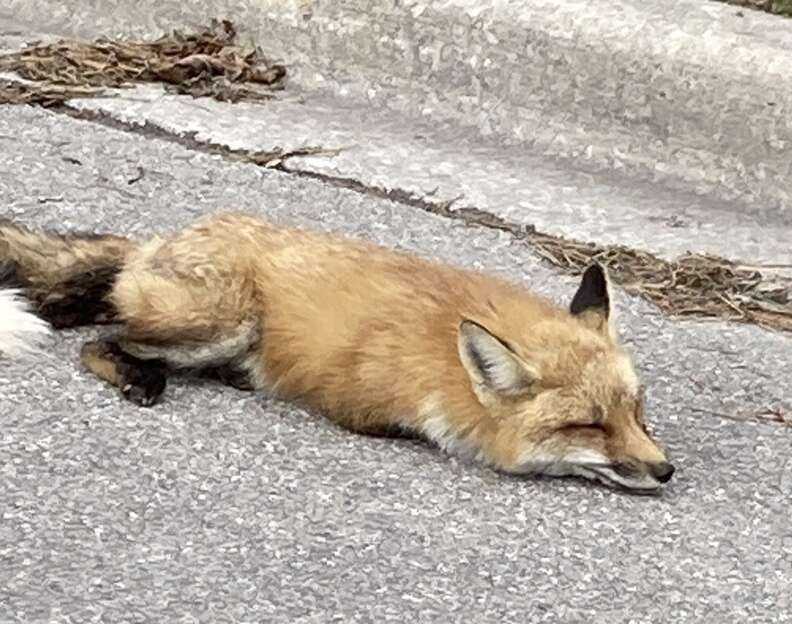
{"x":491,"y":364}
{"x":591,"y":303}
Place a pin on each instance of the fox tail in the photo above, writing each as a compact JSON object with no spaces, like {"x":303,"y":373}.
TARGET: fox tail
{"x":50,"y":280}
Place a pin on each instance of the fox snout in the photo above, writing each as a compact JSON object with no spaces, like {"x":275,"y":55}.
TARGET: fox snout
{"x":636,"y":472}
{"x":662,"y":471}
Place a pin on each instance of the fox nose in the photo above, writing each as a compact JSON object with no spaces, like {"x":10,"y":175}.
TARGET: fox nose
{"x":663,"y":471}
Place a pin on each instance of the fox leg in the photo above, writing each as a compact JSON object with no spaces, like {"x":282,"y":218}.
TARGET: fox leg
{"x":140,"y":381}
{"x":232,"y":375}
{"x":140,"y":369}
{"x":227,"y":355}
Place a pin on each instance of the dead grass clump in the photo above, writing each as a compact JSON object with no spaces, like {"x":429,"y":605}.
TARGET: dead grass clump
{"x":206,"y":63}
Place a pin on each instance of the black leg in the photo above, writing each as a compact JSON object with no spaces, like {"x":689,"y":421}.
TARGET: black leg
{"x":141,"y":381}
{"x":231,"y":376}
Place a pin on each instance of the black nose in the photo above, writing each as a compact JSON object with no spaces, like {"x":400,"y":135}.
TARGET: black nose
{"x":663,"y":471}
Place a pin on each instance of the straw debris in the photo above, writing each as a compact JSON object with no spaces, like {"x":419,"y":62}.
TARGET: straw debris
{"x":46,"y":95}
{"x":207,"y":63}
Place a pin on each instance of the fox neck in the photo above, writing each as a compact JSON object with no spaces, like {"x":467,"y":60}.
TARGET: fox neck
{"x":466,"y":430}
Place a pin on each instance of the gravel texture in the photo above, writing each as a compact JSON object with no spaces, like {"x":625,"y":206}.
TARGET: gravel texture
{"x":220,"y":506}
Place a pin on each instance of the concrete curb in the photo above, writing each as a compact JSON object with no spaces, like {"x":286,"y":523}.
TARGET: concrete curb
{"x":685,"y":92}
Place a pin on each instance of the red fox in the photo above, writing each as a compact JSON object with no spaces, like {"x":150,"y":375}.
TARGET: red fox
{"x":381,"y":342}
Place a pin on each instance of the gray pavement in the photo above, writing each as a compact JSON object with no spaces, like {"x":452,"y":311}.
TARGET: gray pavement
{"x":220,"y":506}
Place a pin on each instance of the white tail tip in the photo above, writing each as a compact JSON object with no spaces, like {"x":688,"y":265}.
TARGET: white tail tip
{"x":21,"y":331}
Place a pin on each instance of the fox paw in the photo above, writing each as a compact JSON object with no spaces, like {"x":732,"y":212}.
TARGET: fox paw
{"x":142,"y":385}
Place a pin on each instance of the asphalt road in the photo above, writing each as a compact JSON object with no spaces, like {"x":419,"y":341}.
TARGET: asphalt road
{"x":221,"y":506}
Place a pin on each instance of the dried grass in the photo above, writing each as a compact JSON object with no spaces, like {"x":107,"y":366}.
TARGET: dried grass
{"x":205,"y":63}
{"x":15,"y":92}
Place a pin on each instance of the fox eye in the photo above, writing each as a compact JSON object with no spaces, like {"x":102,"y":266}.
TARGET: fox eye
{"x":595,"y":426}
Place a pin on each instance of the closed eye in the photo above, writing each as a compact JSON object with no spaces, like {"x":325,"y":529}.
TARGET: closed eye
{"x":584,"y":426}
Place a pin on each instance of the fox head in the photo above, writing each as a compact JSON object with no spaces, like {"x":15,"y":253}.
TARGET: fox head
{"x":563,"y":398}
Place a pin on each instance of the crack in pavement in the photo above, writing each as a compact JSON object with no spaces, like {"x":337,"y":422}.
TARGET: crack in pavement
{"x":270,"y":159}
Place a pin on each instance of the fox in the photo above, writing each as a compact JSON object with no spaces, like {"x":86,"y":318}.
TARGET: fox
{"x":380,"y":341}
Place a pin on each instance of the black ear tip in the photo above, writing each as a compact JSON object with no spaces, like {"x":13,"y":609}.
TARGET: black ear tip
{"x":595,"y":271}
{"x":592,"y":292}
